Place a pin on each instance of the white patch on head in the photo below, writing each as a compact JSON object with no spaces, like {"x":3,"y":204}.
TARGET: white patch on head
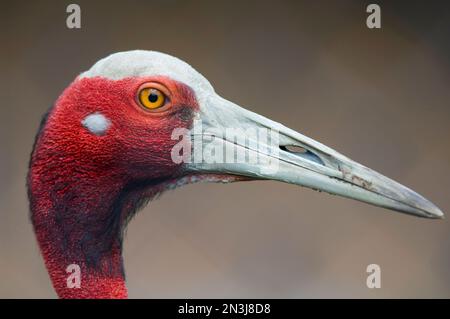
{"x":96,"y":123}
{"x":140,"y":63}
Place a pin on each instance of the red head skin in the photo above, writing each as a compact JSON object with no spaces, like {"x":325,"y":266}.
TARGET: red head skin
{"x":83,"y":187}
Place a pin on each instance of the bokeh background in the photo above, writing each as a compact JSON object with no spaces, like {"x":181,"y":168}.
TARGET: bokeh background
{"x":379,"y":96}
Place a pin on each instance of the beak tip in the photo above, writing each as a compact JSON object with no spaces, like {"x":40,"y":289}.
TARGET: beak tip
{"x":435,"y":213}
{"x":439,"y":215}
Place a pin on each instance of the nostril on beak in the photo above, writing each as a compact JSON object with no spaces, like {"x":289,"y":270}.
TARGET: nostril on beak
{"x":302,"y":152}
{"x":294,"y":149}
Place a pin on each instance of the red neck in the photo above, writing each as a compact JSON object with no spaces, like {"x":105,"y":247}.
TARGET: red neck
{"x":74,"y":227}
{"x":94,"y":283}
{"x":78,"y":212}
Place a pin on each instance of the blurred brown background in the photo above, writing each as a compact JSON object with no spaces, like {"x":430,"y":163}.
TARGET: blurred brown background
{"x":379,"y":96}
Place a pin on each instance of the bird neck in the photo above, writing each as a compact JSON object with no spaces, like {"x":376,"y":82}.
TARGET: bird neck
{"x":78,"y":217}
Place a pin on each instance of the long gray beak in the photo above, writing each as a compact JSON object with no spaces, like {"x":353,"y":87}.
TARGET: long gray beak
{"x":230,"y":140}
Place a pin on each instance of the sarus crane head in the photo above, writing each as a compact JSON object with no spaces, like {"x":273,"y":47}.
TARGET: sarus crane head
{"x":140,"y":122}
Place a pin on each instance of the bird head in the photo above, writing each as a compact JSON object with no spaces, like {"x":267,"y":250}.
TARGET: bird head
{"x":140,"y":122}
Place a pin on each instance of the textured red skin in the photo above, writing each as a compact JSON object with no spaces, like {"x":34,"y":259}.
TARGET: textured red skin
{"x":75,"y":175}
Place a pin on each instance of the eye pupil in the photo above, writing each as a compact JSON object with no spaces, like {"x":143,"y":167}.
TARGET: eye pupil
{"x":153,"y":97}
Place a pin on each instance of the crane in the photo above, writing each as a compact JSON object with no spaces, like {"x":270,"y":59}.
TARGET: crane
{"x":107,"y":145}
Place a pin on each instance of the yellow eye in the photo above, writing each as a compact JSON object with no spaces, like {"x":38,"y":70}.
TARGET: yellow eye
{"x":152,"y":98}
